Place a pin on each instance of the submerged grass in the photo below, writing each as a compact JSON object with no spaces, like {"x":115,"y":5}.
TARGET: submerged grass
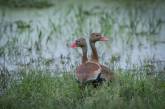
{"x":38,"y":90}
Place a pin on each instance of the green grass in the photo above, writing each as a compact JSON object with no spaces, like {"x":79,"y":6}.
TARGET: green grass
{"x":26,"y":3}
{"x":38,"y":90}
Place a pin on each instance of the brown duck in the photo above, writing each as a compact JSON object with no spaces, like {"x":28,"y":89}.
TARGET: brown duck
{"x":106,"y":73}
{"x":87,"y":70}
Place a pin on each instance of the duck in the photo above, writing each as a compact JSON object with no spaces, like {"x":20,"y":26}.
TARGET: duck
{"x":87,"y":71}
{"x":106,"y":74}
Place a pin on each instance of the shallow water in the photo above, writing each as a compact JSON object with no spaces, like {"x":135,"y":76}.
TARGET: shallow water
{"x":40,"y":38}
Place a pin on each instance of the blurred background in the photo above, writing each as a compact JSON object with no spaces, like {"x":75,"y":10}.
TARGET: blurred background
{"x":36,"y":34}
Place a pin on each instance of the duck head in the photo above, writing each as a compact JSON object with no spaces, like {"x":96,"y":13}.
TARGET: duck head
{"x":94,"y":37}
{"x":81,"y":42}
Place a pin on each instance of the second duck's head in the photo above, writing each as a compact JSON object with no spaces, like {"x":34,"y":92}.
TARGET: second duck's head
{"x":94,"y":37}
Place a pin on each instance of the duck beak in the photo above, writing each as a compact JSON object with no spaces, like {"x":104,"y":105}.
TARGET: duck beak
{"x":73,"y":45}
{"x":103,"y":38}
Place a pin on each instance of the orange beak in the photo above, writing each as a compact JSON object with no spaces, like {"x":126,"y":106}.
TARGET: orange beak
{"x":103,"y":38}
{"x":73,"y":45}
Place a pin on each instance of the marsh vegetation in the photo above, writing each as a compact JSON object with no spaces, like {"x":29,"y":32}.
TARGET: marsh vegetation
{"x":39,"y":90}
{"x":37,"y":64}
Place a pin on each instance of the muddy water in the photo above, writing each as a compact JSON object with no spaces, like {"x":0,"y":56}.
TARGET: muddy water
{"x":40,"y":38}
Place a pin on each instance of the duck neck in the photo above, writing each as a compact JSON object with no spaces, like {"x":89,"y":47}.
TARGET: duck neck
{"x":94,"y":52}
{"x":84,"y":57}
